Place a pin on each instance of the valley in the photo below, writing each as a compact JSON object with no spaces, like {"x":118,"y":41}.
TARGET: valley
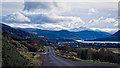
{"x":38,"y":50}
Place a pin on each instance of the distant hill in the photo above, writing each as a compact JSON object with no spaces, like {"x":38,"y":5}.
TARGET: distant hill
{"x":64,"y":34}
{"x":114,"y":37}
{"x":89,"y":34}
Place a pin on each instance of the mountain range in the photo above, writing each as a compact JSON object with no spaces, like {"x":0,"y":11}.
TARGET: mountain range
{"x":64,"y":34}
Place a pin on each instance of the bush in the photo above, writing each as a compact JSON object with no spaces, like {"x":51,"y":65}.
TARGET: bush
{"x":11,"y":56}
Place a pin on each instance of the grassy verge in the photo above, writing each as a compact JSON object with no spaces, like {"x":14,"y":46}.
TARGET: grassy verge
{"x":33,"y":61}
{"x":42,"y":49}
{"x":77,"y":59}
{"x":115,"y":50}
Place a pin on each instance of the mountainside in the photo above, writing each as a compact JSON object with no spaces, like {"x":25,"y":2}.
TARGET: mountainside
{"x":114,"y":37}
{"x":22,"y":34}
{"x":64,"y":34}
{"x":16,"y":32}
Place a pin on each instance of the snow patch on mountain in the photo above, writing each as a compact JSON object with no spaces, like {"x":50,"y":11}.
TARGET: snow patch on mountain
{"x":79,"y":29}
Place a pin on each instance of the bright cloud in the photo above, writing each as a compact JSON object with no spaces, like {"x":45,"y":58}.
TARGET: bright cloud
{"x":22,"y":25}
{"x":106,"y":29}
{"x":16,"y":17}
{"x":92,"y":11}
{"x":102,"y":22}
{"x":109,"y":20}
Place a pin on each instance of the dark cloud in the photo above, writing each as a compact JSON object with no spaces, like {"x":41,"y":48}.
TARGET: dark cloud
{"x":33,"y":6}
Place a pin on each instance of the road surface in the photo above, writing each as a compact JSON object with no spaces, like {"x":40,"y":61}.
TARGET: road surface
{"x":51,"y":59}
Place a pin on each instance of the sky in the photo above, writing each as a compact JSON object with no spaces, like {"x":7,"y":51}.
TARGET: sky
{"x":94,"y":15}
{"x":61,"y":0}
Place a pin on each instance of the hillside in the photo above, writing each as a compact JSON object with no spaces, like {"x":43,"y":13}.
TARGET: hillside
{"x":11,"y":56}
{"x":15,"y":32}
{"x":64,"y":34}
{"x":15,"y":48}
{"x":114,"y":37}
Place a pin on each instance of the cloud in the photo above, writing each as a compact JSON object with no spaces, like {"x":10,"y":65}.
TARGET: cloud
{"x":45,"y":7}
{"x":61,"y":0}
{"x":110,"y":30}
{"x":57,"y":22}
{"x":109,"y":20}
{"x":56,"y":16}
{"x":46,"y":18}
{"x":102,"y":22}
{"x":15,"y":17}
{"x":31,"y":6}
{"x":22,"y":25}
{"x":92,"y":11}
{"x":63,"y":21}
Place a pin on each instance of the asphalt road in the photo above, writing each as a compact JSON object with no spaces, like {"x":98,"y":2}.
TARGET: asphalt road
{"x":51,"y":59}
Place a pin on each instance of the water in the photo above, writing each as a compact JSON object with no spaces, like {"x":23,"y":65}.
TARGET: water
{"x":97,"y":41}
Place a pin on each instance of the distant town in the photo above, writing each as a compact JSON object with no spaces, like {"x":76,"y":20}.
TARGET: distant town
{"x":87,"y":43}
